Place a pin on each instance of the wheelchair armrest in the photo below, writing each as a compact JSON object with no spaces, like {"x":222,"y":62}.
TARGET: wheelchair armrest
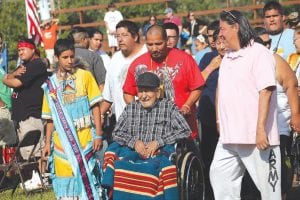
{"x":184,"y":145}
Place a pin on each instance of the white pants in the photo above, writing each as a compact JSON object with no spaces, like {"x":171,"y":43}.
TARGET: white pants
{"x":50,"y":55}
{"x":230,"y":162}
{"x":112,"y":40}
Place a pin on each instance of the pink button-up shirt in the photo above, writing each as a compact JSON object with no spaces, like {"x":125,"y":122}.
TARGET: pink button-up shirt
{"x":242,"y":75}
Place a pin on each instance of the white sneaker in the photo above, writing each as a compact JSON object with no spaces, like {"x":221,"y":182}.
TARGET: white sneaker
{"x":45,"y":179}
{"x":32,"y":184}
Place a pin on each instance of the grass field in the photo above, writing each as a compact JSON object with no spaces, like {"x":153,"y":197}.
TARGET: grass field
{"x":35,"y":195}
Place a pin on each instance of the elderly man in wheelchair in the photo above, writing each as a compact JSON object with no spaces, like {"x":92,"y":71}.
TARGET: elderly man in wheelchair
{"x":137,"y":164}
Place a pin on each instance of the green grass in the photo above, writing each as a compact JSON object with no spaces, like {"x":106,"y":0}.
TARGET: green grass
{"x":21,"y":195}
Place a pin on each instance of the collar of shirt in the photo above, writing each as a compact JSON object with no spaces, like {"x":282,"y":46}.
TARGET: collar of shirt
{"x":239,"y":53}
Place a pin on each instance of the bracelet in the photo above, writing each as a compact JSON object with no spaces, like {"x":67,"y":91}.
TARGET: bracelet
{"x":188,"y":107}
{"x":102,"y":116}
{"x":209,"y":70}
{"x":96,"y":137}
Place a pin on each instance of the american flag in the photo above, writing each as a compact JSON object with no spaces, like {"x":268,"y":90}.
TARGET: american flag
{"x":33,"y":22}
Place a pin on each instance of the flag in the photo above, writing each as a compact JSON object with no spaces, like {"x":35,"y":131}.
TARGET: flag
{"x":3,"y":58}
{"x":44,"y":10}
{"x":33,"y":22}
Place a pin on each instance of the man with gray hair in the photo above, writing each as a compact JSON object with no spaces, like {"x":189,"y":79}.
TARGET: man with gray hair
{"x":89,"y":59}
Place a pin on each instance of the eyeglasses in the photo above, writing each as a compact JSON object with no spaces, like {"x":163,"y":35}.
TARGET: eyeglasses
{"x":123,"y":35}
{"x":268,"y":42}
{"x":172,"y":37}
{"x":230,"y":13}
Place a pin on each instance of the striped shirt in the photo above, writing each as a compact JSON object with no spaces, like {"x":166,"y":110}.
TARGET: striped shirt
{"x":163,"y":123}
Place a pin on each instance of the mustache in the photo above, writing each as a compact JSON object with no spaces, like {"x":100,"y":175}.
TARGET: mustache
{"x":156,"y":52}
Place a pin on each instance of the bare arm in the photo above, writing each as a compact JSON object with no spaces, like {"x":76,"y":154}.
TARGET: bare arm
{"x":101,"y":86}
{"x":128,"y":98}
{"x":217,"y":110}
{"x":104,"y":107}
{"x":12,"y":82}
{"x":55,"y":20}
{"x":213,"y":65}
{"x":180,"y":29}
{"x":97,"y":142}
{"x":10,"y":79}
{"x":49,"y":130}
{"x":263,"y":110}
{"x":287,"y":79}
{"x":191,"y":100}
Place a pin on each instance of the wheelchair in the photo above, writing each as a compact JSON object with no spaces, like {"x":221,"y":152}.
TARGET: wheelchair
{"x":189,"y":164}
{"x":295,"y":157}
{"x":190,"y":172}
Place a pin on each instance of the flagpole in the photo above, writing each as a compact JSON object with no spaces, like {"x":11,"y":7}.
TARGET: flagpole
{"x":27,"y":24}
{"x":33,"y":22}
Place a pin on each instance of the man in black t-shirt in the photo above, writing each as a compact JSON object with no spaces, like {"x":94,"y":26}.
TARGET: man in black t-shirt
{"x":27,"y":94}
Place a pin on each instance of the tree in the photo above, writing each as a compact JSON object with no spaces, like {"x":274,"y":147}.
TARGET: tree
{"x":13,"y":16}
{"x":13,"y":26}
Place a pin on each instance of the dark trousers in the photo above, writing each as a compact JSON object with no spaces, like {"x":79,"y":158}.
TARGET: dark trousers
{"x":209,"y":142}
{"x":286,"y":169}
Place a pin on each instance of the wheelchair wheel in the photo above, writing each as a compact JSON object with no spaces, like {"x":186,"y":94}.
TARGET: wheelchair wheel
{"x":192,"y":185}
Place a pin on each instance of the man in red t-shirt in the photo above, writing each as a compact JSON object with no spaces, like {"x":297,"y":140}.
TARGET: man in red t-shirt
{"x":180,"y":76}
{"x":49,"y":36}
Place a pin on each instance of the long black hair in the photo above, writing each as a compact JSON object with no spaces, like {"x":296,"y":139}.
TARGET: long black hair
{"x":245,"y":33}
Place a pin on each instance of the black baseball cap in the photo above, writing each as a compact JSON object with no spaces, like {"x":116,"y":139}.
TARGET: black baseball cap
{"x":148,"y":80}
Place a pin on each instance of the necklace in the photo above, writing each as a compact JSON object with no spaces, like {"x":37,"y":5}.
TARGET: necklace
{"x":68,"y":86}
{"x":163,"y":62}
{"x":276,"y":48}
{"x":166,"y":85}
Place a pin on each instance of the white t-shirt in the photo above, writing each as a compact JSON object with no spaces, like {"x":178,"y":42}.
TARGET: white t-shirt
{"x":112,"y":18}
{"x":106,"y":60}
{"x":115,"y":78}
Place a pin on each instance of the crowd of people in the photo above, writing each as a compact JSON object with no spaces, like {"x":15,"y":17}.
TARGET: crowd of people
{"x":231,"y":88}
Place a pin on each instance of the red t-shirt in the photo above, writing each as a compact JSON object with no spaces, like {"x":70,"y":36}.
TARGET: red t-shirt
{"x":49,"y":36}
{"x":181,"y":69}
{"x":174,"y":20}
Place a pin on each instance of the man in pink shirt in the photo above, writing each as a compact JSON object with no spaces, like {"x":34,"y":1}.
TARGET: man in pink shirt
{"x":246,"y":114}
{"x":173,"y":19}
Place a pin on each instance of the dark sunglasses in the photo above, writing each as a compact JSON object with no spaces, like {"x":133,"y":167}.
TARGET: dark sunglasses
{"x":268,"y":42}
{"x":230,"y":13}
